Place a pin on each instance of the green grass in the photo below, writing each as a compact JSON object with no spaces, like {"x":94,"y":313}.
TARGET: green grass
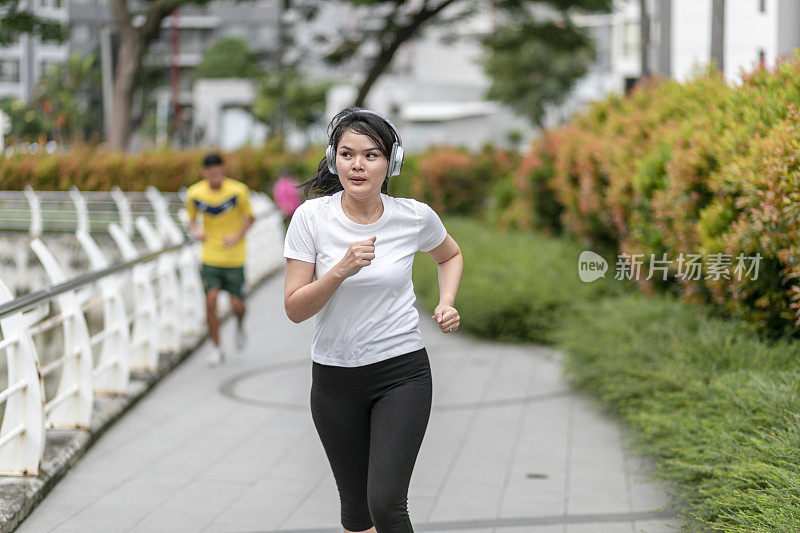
{"x":516,"y":286}
{"x":713,"y":402}
{"x":716,"y":405}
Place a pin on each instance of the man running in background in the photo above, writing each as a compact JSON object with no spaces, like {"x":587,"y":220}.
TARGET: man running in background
{"x":227,"y":216}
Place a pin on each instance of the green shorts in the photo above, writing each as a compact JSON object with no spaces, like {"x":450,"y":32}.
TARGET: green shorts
{"x":226,"y":279}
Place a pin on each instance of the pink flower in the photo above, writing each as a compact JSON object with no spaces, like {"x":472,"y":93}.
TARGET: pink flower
{"x":286,"y":196}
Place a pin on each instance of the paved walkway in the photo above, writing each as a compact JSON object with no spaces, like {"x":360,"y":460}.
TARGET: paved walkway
{"x":509,"y":448}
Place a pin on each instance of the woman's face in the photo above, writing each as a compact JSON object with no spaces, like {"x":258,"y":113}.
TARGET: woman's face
{"x":360,"y":164}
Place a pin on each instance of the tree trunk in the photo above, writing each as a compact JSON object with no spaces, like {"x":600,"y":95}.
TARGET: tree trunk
{"x":718,"y":34}
{"x":644,"y":38}
{"x":129,"y":64}
{"x":134,"y":42}
{"x":283,"y":7}
{"x":380,"y":65}
{"x":402,"y":35}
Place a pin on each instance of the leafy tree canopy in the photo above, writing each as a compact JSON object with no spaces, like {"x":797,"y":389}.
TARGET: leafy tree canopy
{"x":228,"y":58}
{"x":15,"y":20}
{"x":393,"y":23}
{"x":535,"y":64}
{"x":305,"y":100}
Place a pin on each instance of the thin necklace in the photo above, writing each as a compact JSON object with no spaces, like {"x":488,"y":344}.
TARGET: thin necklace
{"x":358,"y":219}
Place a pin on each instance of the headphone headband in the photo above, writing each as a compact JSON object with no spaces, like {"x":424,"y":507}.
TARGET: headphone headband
{"x":368,"y":112}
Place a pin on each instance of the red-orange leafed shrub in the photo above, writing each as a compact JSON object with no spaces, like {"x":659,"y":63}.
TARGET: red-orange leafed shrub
{"x":568,"y":182}
{"x":94,"y":170}
{"x":531,"y":201}
{"x":448,"y":182}
{"x":767,"y":224}
{"x":678,"y":168}
{"x":519,"y":212}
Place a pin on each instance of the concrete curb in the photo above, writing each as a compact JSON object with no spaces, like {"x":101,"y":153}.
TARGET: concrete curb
{"x":19,"y":496}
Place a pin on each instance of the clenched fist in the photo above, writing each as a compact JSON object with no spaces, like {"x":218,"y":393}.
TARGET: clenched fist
{"x":359,"y":255}
{"x":447,"y":318}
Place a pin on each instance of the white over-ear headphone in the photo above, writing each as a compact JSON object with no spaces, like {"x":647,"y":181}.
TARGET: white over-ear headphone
{"x":396,"y":153}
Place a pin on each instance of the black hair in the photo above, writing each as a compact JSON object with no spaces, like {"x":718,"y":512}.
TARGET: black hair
{"x":323,"y":182}
{"x":212,"y":160}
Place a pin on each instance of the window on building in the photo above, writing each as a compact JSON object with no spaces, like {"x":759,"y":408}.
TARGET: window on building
{"x":267,"y":36}
{"x":762,"y":6}
{"x":630,"y":84}
{"x":13,"y":39}
{"x":601,"y":37}
{"x":81,"y":33}
{"x":762,"y":58}
{"x":52,"y":4}
{"x":261,"y":34}
{"x":236,"y":31}
{"x":9,"y":70}
{"x":630,"y":39}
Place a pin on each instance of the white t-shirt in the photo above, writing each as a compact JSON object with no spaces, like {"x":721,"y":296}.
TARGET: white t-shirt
{"x":371,"y":316}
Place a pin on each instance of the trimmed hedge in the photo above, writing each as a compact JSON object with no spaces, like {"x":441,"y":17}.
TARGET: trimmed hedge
{"x":94,"y":170}
{"x":453,"y":180}
{"x":700,"y":167}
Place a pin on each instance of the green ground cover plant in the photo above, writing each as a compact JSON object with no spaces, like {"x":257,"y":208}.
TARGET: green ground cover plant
{"x":714,"y":403}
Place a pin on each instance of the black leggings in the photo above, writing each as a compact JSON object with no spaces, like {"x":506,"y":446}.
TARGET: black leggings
{"x":371,"y":420}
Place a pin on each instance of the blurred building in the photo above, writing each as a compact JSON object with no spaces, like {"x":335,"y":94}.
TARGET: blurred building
{"x":91,"y":26}
{"x":23,"y":61}
{"x":195,"y":28}
{"x":434,"y":88}
{"x":755,"y":32}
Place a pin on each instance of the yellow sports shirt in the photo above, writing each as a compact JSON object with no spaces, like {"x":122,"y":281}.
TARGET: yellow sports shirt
{"x":223,"y":212}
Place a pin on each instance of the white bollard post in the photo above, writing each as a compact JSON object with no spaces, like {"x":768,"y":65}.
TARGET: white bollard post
{"x":25,"y":274}
{"x":192,"y":294}
{"x":167,"y":228}
{"x":124,"y":209}
{"x":190,"y":297}
{"x":36,"y":212}
{"x":22,"y":454}
{"x":168,"y":308}
{"x":146,"y":337}
{"x":81,"y":213}
{"x":113,"y":371}
{"x":75,"y":383}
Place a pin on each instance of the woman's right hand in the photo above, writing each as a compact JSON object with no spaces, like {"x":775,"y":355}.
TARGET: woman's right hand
{"x":359,"y":255}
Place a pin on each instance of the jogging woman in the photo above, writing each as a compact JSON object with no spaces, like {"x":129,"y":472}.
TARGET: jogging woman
{"x":349,"y":254}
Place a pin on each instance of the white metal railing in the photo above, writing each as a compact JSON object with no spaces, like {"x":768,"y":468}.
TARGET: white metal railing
{"x":148,"y":304}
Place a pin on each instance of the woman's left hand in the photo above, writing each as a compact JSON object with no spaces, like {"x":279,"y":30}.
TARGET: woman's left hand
{"x":447,"y":318}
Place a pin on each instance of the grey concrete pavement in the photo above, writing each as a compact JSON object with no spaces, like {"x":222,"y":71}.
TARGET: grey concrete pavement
{"x":509,"y":448}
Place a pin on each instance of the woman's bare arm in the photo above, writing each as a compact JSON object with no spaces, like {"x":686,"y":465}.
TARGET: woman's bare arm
{"x":450,"y":267}
{"x":303,"y":297}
